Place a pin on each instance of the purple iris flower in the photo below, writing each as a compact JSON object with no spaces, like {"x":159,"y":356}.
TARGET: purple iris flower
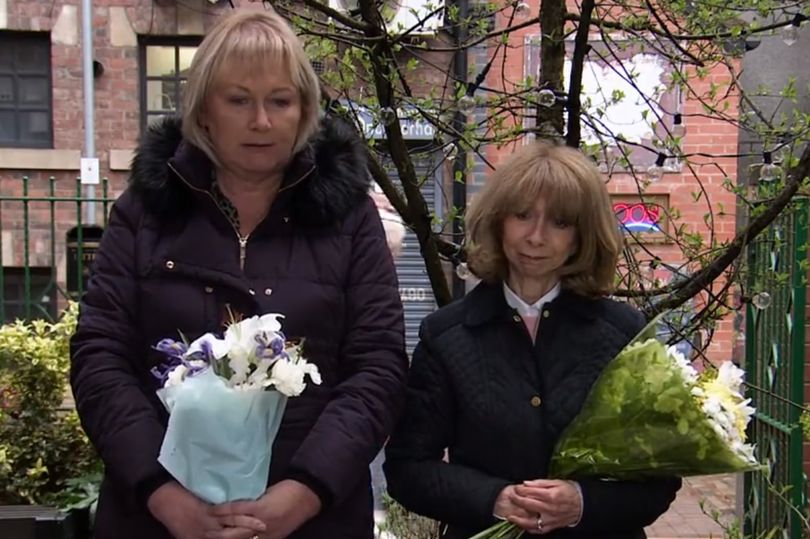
{"x":205,"y":354}
{"x":269,"y":344}
{"x":277,"y":345}
{"x":172,"y":348}
{"x":195,"y":369}
{"x":175,"y":352}
{"x":161,"y":372}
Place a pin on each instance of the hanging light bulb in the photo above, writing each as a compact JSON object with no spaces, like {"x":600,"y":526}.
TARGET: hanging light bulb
{"x":656,"y":171}
{"x":769,"y":171}
{"x":761,"y":300}
{"x":463,"y":272}
{"x":674,"y":138}
{"x":387,"y":115}
{"x":678,"y":129}
{"x":790,"y":33}
{"x":450,"y":152}
{"x":522,"y":10}
{"x":466,"y":104}
{"x":546,"y":98}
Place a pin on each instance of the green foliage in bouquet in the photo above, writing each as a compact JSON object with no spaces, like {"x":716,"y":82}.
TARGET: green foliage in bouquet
{"x":42,"y":446}
{"x":643,"y":418}
{"x":403,"y":524}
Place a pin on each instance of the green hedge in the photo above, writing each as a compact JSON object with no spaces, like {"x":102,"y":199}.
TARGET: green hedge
{"x":45,"y":457}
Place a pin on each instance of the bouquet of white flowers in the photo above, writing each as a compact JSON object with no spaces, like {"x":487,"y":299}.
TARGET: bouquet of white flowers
{"x":226,"y":397}
{"x":651,"y":414}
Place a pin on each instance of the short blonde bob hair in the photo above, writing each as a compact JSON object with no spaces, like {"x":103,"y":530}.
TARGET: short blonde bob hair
{"x":262,"y":40}
{"x":573,"y":188}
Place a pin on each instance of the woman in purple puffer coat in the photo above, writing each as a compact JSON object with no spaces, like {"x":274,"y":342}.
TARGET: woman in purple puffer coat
{"x":254,"y":204}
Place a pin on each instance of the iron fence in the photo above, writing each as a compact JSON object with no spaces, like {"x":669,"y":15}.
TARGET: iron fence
{"x":46,"y":247}
{"x":775,"y":499}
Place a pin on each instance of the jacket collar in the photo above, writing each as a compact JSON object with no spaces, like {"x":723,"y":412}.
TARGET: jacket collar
{"x":324,"y":182}
{"x":486,"y":302}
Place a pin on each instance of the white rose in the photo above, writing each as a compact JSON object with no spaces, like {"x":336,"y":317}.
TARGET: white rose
{"x":287,"y":378}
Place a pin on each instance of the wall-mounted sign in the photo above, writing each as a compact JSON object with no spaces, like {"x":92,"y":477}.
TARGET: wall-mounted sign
{"x":413,"y":126}
{"x":638,"y":217}
{"x":646,"y":216}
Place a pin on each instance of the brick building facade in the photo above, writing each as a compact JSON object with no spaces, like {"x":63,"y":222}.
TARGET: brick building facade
{"x":41,"y":65}
{"x":675,"y":190}
{"x":143,"y":46}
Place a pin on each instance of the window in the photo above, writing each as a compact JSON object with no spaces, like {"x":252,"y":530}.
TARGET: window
{"x":627,"y":93}
{"x":164,"y":65}
{"x":25,"y":90}
{"x":644,"y":217}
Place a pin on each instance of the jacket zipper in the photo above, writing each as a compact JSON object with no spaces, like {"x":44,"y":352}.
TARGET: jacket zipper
{"x":243,"y":240}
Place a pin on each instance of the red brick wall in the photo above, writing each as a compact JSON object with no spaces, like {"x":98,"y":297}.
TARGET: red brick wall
{"x":117,"y":107}
{"x":702,"y":135}
{"x":117,"y":102}
{"x":117,"y":112}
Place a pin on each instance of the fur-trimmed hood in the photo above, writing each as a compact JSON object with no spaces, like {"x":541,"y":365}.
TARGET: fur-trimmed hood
{"x":333,"y":168}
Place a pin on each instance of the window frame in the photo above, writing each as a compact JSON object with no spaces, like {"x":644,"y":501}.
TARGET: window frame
{"x":658,"y":201}
{"x":159,"y":41}
{"x":15,"y":38}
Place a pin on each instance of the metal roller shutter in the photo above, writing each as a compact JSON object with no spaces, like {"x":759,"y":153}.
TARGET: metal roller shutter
{"x":414,"y":284}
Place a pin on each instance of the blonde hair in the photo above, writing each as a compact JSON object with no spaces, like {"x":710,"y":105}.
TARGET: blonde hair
{"x":260,"y":39}
{"x":572,"y":187}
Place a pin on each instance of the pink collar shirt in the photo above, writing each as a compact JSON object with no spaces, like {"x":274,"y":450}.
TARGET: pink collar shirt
{"x":530,"y":313}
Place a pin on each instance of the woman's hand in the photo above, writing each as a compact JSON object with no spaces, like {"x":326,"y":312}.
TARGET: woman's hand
{"x":552,"y":503}
{"x":283,"y":509}
{"x":188,"y":517}
{"x":506,"y":509}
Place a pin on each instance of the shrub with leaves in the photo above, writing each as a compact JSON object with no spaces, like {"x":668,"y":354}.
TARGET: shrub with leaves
{"x":42,"y":445}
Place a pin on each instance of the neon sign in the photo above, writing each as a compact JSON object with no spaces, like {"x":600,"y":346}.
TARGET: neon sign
{"x":638,"y":216}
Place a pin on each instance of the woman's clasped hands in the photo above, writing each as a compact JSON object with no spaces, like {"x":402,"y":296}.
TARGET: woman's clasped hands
{"x":283,"y":509}
{"x":540,"y":506}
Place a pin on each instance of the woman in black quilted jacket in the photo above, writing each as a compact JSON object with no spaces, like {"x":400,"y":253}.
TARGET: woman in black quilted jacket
{"x":498,"y":375}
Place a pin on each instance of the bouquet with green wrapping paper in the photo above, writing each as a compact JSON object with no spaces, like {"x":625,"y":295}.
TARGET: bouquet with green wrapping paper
{"x":651,"y":414}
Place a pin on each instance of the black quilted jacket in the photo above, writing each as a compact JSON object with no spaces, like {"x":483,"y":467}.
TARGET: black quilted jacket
{"x":480,"y":388}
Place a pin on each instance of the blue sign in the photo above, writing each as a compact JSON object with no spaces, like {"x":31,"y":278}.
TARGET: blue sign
{"x":413,"y":126}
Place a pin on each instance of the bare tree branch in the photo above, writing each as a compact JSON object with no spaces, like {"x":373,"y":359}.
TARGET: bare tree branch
{"x":382,"y":58}
{"x":695,"y":283}
{"x":552,"y":60}
{"x":574,"y":102}
{"x":648,"y":27}
{"x":342,"y":18}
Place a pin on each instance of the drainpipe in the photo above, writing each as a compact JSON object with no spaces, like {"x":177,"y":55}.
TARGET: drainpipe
{"x":460,"y":163}
{"x":89,"y":100}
